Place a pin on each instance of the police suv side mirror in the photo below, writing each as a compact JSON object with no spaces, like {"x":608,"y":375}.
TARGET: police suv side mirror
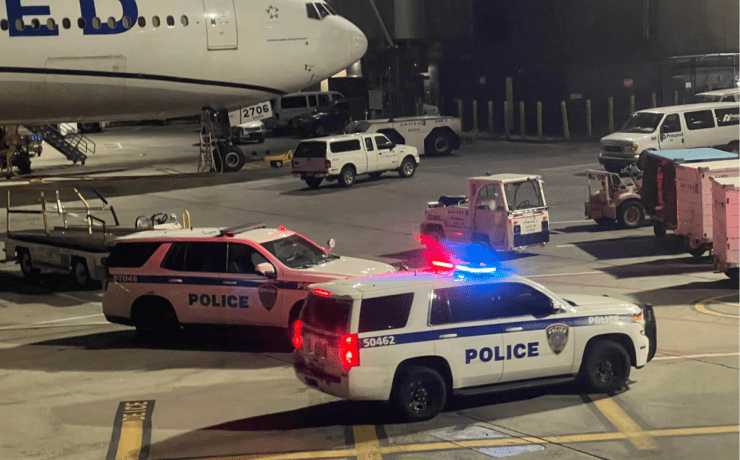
{"x":330,"y":244}
{"x":266,"y":269}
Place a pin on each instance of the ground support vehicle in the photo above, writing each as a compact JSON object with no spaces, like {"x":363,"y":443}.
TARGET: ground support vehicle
{"x":345,"y":156}
{"x":250,"y":131}
{"x":725,"y":225}
{"x":694,"y":201}
{"x":689,"y":126}
{"x":247,"y":275}
{"x":417,"y":338}
{"x":505,"y":212}
{"x":658,"y":193}
{"x":277,"y":161}
{"x":325,"y":120}
{"x":614,"y":197}
{"x":433,"y":135}
{"x":77,"y":248}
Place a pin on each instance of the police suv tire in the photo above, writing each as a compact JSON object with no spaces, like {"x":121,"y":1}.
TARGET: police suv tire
{"x":233,"y":159}
{"x":313,"y":182}
{"x":27,"y":265}
{"x":81,"y":273}
{"x":408,"y":167}
{"x":605,"y":368}
{"x":155,"y":320}
{"x":419,"y":394}
{"x":631,"y":214}
{"x":347,"y":176}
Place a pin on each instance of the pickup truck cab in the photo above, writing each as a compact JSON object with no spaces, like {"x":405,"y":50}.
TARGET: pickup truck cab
{"x":344,"y":157}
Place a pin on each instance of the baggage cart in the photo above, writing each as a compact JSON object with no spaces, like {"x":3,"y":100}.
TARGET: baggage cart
{"x":725,"y":225}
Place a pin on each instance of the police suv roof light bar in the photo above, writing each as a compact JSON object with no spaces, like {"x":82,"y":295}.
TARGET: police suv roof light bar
{"x":231,"y":231}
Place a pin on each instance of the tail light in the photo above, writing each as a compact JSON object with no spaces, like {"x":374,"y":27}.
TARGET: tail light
{"x":327,"y":164}
{"x":349,"y":351}
{"x":297,"y":338}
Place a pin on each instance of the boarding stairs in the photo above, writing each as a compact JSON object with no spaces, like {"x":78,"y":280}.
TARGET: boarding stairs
{"x":67,"y":140}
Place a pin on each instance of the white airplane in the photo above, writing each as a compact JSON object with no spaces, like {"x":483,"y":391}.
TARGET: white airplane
{"x":93,"y":60}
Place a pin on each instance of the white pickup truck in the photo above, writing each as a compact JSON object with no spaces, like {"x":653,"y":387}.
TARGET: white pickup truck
{"x":345,"y":156}
{"x":433,"y":135}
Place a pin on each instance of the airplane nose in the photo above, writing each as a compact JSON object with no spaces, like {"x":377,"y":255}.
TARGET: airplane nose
{"x":359,"y":43}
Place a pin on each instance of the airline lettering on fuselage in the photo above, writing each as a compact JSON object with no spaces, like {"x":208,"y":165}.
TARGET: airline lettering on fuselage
{"x":87,"y":12}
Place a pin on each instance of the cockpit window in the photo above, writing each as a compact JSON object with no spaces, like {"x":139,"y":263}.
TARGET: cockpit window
{"x":322,"y":10}
{"x":311,"y":11}
{"x":331,"y":10}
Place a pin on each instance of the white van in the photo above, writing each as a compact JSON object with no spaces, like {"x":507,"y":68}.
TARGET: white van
{"x":718,"y":95}
{"x":672,"y":128}
{"x":289,"y":106}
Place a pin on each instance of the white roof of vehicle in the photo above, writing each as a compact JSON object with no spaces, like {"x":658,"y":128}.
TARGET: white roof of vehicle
{"x":258,"y":235}
{"x":402,"y":119}
{"x":506,"y":177}
{"x":338,"y":137}
{"x":727,"y":182}
{"x":720,"y":92}
{"x":685,"y":107}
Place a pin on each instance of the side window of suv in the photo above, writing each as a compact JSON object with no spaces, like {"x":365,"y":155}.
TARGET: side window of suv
{"x":384,"y":313}
{"x":517,"y":299}
{"x":196,"y":257}
{"x":132,"y":255}
{"x":243,"y":259}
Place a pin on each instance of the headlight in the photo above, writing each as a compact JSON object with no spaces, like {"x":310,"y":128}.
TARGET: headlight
{"x":631,"y":148}
{"x":638,"y":318}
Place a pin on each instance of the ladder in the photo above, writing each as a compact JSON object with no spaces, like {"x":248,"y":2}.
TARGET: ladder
{"x":74,"y":146}
{"x":208,"y":148}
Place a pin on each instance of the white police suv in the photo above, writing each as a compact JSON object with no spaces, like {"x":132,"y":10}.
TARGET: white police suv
{"x":414,"y":338}
{"x":246,"y":275}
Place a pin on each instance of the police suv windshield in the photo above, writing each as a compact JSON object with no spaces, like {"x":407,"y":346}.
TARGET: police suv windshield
{"x":642,"y":123}
{"x":298,"y":252}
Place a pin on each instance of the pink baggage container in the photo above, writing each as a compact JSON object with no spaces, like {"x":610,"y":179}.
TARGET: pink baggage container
{"x":726,"y":225}
{"x":694,"y":200}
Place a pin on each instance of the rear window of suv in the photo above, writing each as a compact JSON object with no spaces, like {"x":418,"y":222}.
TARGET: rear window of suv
{"x":384,"y":313}
{"x":132,"y":255}
{"x":327,"y":313}
{"x":311,"y":149}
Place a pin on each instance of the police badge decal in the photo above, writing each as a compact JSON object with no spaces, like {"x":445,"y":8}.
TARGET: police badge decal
{"x":268,"y":296}
{"x":557,"y":337}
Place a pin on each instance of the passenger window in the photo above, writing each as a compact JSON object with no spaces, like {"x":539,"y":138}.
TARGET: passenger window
{"x":4,"y":24}
{"x":19,"y":25}
{"x":701,"y":119}
{"x":671,"y":124}
{"x":184,"y":21}
{"x":345,"y":146}
{"x":112,"y":22}
{"x":490,"y":198}
{"x":244,"y":259}
{"x":142,"y":21}
{"x":324,"y":99}
{"x":127,"y":24}
{"x":385,"y":313}
{"x":36,"y":24}
{"x":66,"y":23}
{"x":170,"y":21}
{"x":517,"y":299}
{"x":369,"y":144}
{"x":383,"y":143}
{"x":312,"y":101}
{"x":81,"y":23}
{"x":196,"y":257}
{"x":96,"y":23}
{"x":727,"y":117}
{"x":155,"y":21}
{"x":311,"y":11}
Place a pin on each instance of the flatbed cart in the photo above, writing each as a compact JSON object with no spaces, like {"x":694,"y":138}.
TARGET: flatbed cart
{"x":277,"y":161}
{"x":74,"y":247}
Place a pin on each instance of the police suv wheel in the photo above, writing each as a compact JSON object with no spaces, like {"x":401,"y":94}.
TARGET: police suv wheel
{"x":408,"y":167}
{"x":419,"y":394}
{"x":606,"y":368}
{"x":347,"y":176}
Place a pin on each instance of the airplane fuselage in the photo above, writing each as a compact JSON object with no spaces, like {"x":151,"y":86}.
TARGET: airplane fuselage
{"x":91,"y":60}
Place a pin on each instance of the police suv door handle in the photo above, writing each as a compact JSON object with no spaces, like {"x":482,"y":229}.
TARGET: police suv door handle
{"x":448,"y":336}
{"x":175,"y":280}
{"x":514,"y":329}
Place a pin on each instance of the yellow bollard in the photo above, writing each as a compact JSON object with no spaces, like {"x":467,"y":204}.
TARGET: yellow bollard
{"x":611,"y":114}
{"x":475,"y":116}
{"x":632,"y":104}
{"x":522,"y":120}
{"x":655,"y":100}
{"x":507,"y":128}
{"x":539,"y":120}
{"x":490,"y":116}
{"x":564,"y":112}
{"x":589,"y":131}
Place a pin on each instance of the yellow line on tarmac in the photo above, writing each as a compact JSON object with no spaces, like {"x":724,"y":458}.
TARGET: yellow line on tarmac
{"x":623,"y":422}
{"x":500,"y":442}
{"x":366,"y":443}
{"x":129,"y":444}
{"x":700,"y":307}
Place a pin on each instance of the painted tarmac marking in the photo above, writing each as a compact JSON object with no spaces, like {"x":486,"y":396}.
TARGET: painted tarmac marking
{"x":366,"y":442}
{"x":498,"y":442}
{"x":624,"y":423}
{"x":50,"y":326}
{"x":132,"y":431}
{"x":69,"y":319}
{"x":708,"y":355}
{"x":701,"y":306}
{"x":566,"y":274}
